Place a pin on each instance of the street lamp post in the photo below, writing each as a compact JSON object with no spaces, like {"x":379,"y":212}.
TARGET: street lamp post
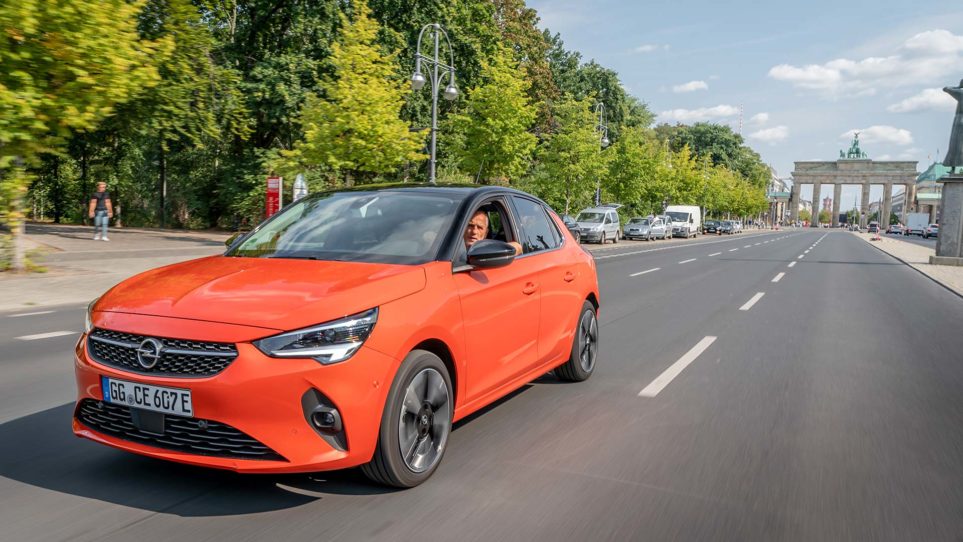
{"x":603,"y":130}
{"x":418,"y":81}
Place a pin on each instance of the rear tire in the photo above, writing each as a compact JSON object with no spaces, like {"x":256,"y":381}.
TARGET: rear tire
{"x":417,"y":417}
{"x":581,"y":361}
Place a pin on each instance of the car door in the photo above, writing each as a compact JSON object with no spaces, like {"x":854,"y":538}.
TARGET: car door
{"x":500,"y":311}
{"x":560,"y":299}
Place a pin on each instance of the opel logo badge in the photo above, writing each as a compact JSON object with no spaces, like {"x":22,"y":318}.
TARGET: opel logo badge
{"x":149,"y":352}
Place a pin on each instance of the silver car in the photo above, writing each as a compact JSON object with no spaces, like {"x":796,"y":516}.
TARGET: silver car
{"x":646,"y":228}
{"x":600,"y":224}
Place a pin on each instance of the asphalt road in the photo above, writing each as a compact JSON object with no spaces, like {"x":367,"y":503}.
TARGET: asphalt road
{"x":826,"y":408}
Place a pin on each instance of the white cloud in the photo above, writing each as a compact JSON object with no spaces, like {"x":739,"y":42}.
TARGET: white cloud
{"x":699,"y":115}
{"x":650,"y":48}
{"x":691,"y":86}
{"x":771,"y":135}
{"x":931,"y":98}
{"x":935,"y":41}
{"x":759,"y":119}
{"x":881,"y":134}
{"x":925,"y":58}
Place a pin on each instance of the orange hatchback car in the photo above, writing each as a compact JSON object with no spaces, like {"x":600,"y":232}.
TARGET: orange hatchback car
{"x":352,"y":328}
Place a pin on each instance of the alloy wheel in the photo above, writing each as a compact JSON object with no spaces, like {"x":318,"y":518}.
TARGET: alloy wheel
{"x":588,"y":336}
{"x":425,"y":420}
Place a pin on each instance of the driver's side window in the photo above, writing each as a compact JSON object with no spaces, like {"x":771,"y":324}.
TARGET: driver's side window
{"x":497,"y":225}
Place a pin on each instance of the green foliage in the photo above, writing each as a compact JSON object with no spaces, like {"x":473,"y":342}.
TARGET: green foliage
{"x":355,"y":127}
{"x":825,"y":217}
{"x":570,"y":159}
{"x":495,"y":143}
{"x":805,"y":215}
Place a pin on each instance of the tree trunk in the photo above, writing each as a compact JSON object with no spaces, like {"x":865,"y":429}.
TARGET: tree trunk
{"x":163,"y":184}
{"x":15,"y":217}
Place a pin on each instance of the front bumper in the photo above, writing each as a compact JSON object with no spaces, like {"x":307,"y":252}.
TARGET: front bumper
{"x":261,"y":397}
{"x":591,"y":235}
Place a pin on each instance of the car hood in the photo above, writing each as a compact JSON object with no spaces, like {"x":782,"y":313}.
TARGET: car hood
{"x":271,"y":293}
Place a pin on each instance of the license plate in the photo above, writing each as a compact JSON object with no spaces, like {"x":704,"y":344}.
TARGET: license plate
{"x":156,"y":398}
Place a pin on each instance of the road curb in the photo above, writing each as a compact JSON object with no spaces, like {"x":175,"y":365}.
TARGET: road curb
{"x":913,"y":266}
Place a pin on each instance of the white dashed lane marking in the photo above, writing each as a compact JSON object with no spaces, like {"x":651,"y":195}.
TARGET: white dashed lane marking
{"x":38,"y":313}
{"x":644,"y":272}
{"x":676,"y":368}
{"x":779,"y":277}
{"x":714,"y":254}
{"x":687,"y":261}
{"x":791,"y":264}
{"x":752,"y":301}
{"x":48,"y":335}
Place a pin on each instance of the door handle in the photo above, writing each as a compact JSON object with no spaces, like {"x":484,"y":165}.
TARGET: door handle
{"x":529,"y":288}
{"x":569,"y":276}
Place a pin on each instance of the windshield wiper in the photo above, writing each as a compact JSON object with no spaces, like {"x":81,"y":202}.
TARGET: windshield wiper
{"x":293,"y":256}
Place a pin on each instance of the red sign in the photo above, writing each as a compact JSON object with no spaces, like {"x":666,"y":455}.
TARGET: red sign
{"x":273,"y":199}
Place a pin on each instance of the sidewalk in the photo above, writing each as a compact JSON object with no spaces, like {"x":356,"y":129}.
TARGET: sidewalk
{"x":918,"y":257}
{"x":80,"y":269}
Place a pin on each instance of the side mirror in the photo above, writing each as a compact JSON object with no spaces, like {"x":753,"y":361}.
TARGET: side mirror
{"x":691,"y":220}
{"x":489,"y":253}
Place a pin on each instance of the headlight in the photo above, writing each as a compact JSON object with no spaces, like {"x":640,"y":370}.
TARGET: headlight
{"x":327,"y":343}
{"x":88,"y":318}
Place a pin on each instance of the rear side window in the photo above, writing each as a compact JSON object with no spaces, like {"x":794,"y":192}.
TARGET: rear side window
{"x":535,"y":231}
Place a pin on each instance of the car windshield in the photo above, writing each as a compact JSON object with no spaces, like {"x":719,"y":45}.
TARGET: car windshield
{"x":678,"y":216}
{"x":591,"y":217}
{"x":379,"y":227}
{"x":640,"y":221}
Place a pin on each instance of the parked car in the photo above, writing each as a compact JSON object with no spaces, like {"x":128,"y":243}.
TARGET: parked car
{"x":895,"y":229}
{"x":933,"y":230}
{"x":600,"y":224}
{"x":736,"y":226}
{"x":711,"y":226}
{"x":646,"y":228}
{"x":873,"y":227}
{"x":573,"y":227}
{"x":726,"y":227}
{"x":351,"y":328}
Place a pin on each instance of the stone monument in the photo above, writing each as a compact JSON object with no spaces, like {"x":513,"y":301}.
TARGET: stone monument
{"x":949,"y":242}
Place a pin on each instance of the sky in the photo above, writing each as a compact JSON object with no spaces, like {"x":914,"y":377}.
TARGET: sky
{"x":798,"y":77}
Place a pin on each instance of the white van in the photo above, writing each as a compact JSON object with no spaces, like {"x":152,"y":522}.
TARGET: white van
{"x":686,"y":220}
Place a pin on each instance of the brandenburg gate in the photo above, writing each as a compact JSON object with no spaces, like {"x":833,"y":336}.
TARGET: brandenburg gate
{"x":853,"y":167}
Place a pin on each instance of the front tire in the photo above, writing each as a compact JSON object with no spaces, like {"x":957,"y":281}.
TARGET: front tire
{"x":415,"y":425}
{"x":581,"y":361}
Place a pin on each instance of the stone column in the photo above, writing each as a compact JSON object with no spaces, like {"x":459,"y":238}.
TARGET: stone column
{"x":949,"y":244}
{"x":837,"y":195}
{"x":864,"y":206}
{"x":887,"y":206}
{"x":794,"y":202}
{"x":817,"y":188}
{"x":907,"y":201}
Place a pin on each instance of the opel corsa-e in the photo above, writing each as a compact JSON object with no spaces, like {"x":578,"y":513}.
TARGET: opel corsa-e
{"x":352,"y":328}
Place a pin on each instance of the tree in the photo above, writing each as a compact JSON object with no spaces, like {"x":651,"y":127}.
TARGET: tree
{"x":355,"y":127}
{"x":633,"y":177}
{"x":66,"y":65}
{"x":495,"y":143}
{"x":825,"y":217}
{"x":570,"y":160}
{"x":805,"y":215}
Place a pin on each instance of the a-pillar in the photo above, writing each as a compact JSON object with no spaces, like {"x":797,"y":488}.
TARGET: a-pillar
{"x":817,"y":187}
{"x":837,"y":195}
{"x":864,"y":206}
{"x":794,"y":203}
{"x":887,"y":209}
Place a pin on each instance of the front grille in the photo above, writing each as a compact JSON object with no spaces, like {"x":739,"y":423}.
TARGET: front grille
{"x":178,"y":357}
{"x":190,"y":435}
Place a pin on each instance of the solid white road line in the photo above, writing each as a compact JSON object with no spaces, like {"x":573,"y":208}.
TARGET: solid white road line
{"x":669,"y":247}
{"x":644,"y":272}
{"x":715,"y":254}
{"x":752,"y":301}
{"x":676,"y":368}
{"x":47,"y":335}
{"x":791,"y":264}
{"x":689,"y":260}
{"x":28,"y":314}
{"x":779,"y":277}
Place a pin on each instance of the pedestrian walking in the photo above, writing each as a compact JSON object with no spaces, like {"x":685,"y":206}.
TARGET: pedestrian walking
{"x":101,"y":210}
